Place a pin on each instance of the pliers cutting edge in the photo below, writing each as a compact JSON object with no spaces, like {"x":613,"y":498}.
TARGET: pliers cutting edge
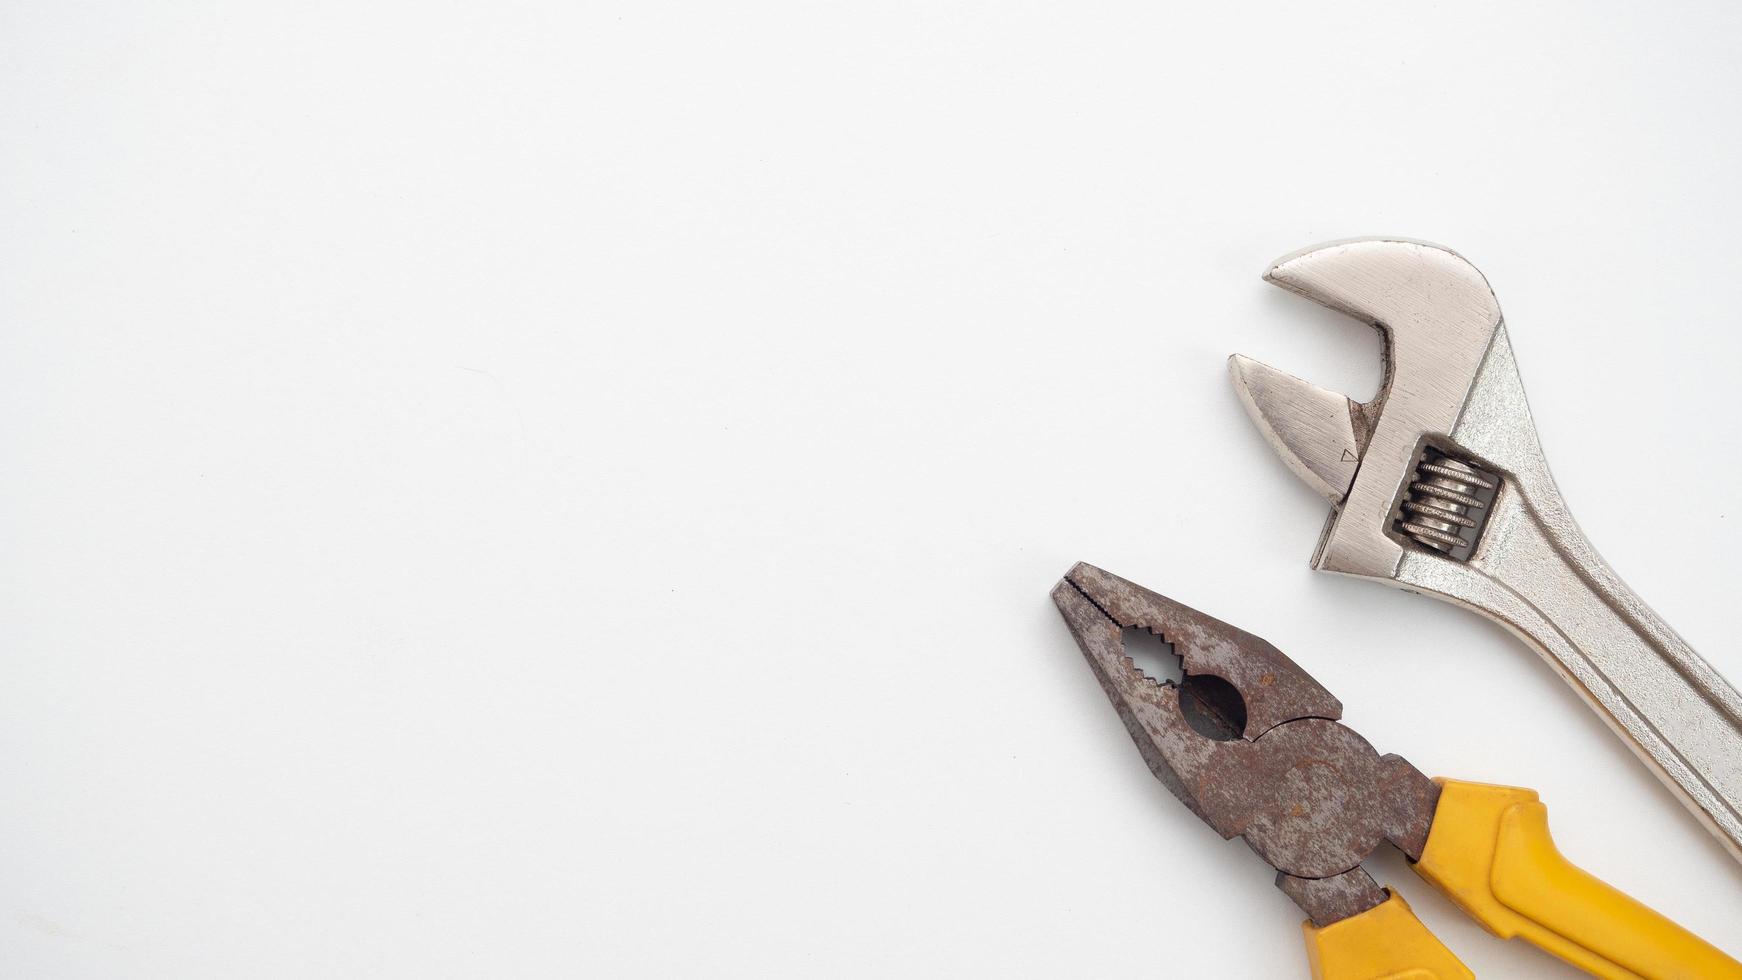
{"x":1252,"y":744}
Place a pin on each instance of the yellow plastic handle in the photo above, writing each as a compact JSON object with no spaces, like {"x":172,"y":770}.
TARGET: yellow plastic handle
{"x":1386,"y":942}
{"x":1490,"y":852}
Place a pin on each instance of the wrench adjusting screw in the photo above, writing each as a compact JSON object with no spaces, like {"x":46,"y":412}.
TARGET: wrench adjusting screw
{"x":1447,"y":504}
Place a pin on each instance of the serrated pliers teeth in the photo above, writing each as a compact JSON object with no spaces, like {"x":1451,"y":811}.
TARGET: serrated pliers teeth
{"x":1238,"y":682}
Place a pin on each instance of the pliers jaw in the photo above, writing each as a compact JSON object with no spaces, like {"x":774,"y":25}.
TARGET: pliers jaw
{"x":1251,"y":744}
{"x":1243,"y":679}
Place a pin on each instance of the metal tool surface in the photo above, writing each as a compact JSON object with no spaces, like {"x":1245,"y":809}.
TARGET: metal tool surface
{"x":1254,"y":746}
{"x":1439,"y":485}
{"x":1245,"y":738}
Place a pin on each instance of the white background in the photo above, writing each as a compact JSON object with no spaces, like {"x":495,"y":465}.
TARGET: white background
{"x":552,"y":489}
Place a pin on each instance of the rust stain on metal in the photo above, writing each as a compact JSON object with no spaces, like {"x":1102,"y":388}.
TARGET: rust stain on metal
{"x":1251,"y":744}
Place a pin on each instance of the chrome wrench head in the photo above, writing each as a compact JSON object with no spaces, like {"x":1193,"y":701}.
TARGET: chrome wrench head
{"x":1438,"y":318}
{"x":1439,"y":485}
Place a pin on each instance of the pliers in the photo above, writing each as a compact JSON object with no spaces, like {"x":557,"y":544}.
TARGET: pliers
{"x":1252,"y":744}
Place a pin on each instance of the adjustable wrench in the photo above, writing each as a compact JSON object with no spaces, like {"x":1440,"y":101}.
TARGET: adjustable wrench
{"x":1439,"y":486}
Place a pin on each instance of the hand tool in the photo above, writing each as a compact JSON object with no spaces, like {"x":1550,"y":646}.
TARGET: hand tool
{"x":1252,"y":744}
{"x":1438,"y":485}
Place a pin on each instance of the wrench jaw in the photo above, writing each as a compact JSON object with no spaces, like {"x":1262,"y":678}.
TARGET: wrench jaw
{"x":1438,"y":318}
{"x":1319,"y":434}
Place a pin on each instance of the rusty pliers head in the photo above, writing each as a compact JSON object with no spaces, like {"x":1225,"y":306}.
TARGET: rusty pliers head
{"x":1251,"y":743}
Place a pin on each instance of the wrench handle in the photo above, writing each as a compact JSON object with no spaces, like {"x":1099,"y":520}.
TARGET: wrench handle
{"x":1535,"y":574}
